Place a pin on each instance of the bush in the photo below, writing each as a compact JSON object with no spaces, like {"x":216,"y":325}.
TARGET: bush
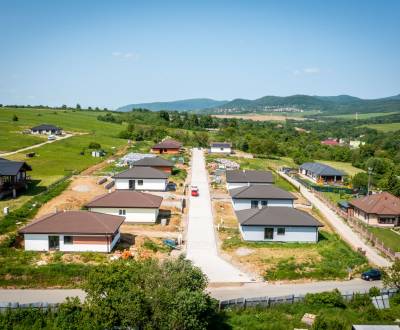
{"x":374,"y":291}
{"x":326,"y":299}
{"x":330,"y":322}
{"x":94,"y":145}
{"x":360,"y":301}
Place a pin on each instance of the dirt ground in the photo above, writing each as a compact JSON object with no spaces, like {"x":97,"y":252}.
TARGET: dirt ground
{"x":224,"y":215}
{"x":261,"y":117}
{"x":81,"y":190}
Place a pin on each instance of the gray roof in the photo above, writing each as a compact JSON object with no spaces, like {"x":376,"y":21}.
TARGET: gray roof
{"x":375,"y":327}
{"x":9,"y":167}
{"x":141,"y":172}
{"x":276,"y":216}
{"x":249,"y":176}
{"x":153,"y":161}
{"x":261,"y":192}
{"x":45,"y":127}
{"x":321,"y":169}
{"x":221,"y":145}
{"x":128,"y":199}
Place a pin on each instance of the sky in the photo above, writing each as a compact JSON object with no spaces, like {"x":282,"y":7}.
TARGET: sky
{"x":112,"y":53}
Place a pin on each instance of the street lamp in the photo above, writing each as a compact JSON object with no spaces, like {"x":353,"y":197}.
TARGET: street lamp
{"x":369,"y":178}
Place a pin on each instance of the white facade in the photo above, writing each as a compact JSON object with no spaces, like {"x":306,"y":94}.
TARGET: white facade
{"x":221,"y":150}
{"x":243,"y":204}
{"x":141,"y":184}
{"x":233,"y":185}
{"x":132,"y":215}
{"x":40,"y":242}
{"x":291,"y":234}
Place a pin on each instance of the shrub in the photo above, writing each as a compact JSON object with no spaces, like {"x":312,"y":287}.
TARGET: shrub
{"x":94,"y":145}
{"x":360,"y":301}
{"x":330,"y":322}
{"x":374,"y":291}
{"x":326,"y":299}
{"x":15,"y":118}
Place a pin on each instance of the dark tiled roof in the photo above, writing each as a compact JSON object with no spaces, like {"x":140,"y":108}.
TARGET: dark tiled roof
{"x":248,"y":176}
{"x":75,"y":222}
{"x":141,"y":172}
{"x":276,"y":216}
{"x":321,"y":169}
{"x":383,"y":203}
{"x":221,"y":145}
{"x":45,"y":127}
{"x":153,"y":161}
{"x":168,"y":144}
{"x":9,"y":167}
{"x":261,"y":191}
{"x":128,"y":199}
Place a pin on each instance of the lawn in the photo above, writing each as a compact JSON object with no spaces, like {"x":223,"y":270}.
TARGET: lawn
{"x":12,"y":139}
{"x":389,"y":238}
{"x":388,"y":127}
{"x":346,"y":167}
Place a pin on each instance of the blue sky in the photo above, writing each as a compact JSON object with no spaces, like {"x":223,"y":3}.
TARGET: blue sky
{"x":111,"y":53}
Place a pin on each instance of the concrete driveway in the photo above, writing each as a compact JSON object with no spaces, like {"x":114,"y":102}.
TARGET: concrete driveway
{"x":201,"y":241}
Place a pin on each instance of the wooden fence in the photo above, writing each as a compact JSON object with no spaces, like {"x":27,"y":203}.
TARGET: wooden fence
{"x":359,"y":228}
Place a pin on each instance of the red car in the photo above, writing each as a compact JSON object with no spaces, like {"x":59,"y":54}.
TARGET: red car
{"x":195,"y":191}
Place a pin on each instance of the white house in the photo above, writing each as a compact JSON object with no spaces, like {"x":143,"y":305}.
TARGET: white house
{"x":258,"y":196}
{"x":73,"y":231}
{"x":242,"y":178}
{"x":135,"y":206}
{"x":141,"y":178}
{"x":221,"y":148}
{"x":46,"y":129}
{"x":278,"y":224}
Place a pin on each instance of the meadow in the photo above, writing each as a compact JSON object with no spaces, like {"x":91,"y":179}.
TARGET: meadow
{"x":343,"y":166}
{"x":351,"y":116}
{"x":388,"y":127}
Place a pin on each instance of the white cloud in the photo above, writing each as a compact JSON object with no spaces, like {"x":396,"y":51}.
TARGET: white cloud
{"x":308,"y":71}
{"x":128,"y":55}
{"x":116,"y":54}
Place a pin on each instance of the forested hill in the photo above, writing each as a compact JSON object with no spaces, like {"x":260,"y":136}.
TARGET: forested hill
{"x":181,"y":105}
{"x":295,"y":103}
{"x":325,"y":104}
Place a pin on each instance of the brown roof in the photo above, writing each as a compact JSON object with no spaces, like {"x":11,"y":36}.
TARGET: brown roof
{"x":128,"y":199}
{"x":168,"y":144}
{"x":261,"y":191}
{"x":142,"y":172}
{"x":75,"y":222}
{"x":276,"y":216}
{"x":383,"y":203}
{"x":249,"y":176}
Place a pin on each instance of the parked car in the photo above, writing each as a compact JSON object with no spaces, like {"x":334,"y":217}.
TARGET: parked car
{"x":372,"y":275}
{"x":195,"y":191}
{"x":51,"y":137}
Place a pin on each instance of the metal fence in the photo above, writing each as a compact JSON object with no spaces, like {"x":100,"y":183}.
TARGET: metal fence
{"x":267,"y":302}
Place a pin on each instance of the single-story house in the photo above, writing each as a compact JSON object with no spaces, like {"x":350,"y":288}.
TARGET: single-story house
{"x":278,"y":224}
{"x":141,"y":178}
{"x":46,"y":129}
{"x":321,"y":173}
{"x":330,"y":142}
{"x":242,"y":178}
{"x":158,"y":163}
{"x":73,"y":231}
{"x":135,"y":206}
{"x":221,"y":148}
{"x":258,"y":196}
{"x":168,"y":146}
{"x":381,"y":209}
{"x":12,"y":177}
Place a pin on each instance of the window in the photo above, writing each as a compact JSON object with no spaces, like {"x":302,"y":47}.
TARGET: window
{"x":140,"y":182}
{"x":68,"y":240}
{"x":386,"y":220}
{"x":254,"y":204}
{"x":268,"y":233}
{"x":122,"y":212}
{"x":264,"y":203}
{"x":281,"y":231}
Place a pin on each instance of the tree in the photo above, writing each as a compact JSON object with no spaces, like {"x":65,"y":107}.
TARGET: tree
{"x":15,"y":118}
{"x":360,"y":181}
{"x":64,"y":107}
{"x":149,"y":295}
{"x":78,"y":106}
{"x":94,"y":145}
{"x":391,"y":277}
{"x":391,"y":182}
{"x":164,"y":115}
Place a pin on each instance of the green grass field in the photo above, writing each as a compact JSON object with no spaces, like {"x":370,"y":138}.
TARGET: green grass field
{"x":11,"y":137}
{"x":389,"y":238}
{"x":346,"y":167}
{"x":388,"y":127}
{"x":351,"y":116}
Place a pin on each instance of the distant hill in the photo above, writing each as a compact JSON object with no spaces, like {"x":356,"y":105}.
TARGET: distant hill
{"x":302,"y":103}
{"x":181,"y":105}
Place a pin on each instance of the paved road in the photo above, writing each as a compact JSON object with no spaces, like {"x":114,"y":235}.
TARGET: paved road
{"x":36,"y":145}
{"x":28,"y":296}
{"x":201,"y":241}
{"x":249,"y":290}
{"x":340,"y":226}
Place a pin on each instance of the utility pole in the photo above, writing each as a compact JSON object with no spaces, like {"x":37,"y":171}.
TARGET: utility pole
{"x":369,"y":178}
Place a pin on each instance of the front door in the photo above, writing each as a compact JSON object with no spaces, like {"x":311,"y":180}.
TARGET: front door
{"x":54,"y":242}
{"x":132,"y":184}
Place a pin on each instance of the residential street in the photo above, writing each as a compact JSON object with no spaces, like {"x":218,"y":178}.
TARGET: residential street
{"x":201,"y":241}
{"x":340,"y":227}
